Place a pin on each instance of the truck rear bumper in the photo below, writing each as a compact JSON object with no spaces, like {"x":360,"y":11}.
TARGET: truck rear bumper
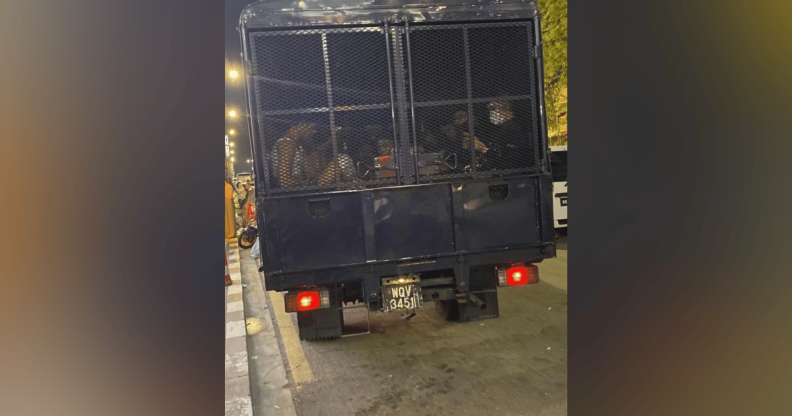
{"x":371,"y":273}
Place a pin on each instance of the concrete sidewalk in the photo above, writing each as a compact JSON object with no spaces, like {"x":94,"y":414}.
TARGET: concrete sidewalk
{"x":270,"y":387}
{"x":237,"y":377}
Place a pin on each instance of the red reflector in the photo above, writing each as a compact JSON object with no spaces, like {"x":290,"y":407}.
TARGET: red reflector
{"x":521,"y":275}
{"x":307,"y":301}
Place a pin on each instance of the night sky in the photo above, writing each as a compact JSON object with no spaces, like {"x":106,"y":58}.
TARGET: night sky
{"x":234,"y":93}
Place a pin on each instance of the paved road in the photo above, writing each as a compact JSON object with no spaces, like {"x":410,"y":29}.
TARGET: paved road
{"x":513,"y":365}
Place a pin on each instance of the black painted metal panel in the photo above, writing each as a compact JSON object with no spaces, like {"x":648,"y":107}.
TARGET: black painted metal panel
{"x":492,"y":222}
{"x":413,"y":221}
{"x":309,"y":239}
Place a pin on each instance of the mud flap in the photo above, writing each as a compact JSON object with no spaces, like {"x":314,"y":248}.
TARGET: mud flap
{"x":322,"y":323}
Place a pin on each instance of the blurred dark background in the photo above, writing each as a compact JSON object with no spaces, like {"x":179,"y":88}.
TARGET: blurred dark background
{"x":112,"y":166}
{"x":236,"y":127}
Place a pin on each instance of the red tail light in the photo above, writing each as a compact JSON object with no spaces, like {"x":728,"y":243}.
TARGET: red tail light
{"x":307,"y":301}
{"x":518,"y":275}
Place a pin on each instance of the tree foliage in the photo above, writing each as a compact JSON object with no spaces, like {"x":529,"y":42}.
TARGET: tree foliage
{"x":554,"y":39}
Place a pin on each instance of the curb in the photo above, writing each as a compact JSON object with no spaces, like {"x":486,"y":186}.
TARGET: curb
{"x":237,"y":373}
{"x":271,"y":389}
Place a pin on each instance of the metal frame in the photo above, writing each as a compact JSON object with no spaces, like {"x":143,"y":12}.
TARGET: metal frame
{"x":471,"y":101}
{"x":330,"y":109}
{"x":399,"y":66}
{"x":412,"y":103}
{"x":396,"y":155}
{"x":402,"y":104}
{"x":329,"y":84}
{"x":362,"y":305}
{"x":469,"y":87}
{"x":261,"y":175}
{"x":539,"y":54}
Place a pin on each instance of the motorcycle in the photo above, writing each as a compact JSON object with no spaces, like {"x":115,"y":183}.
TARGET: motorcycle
{"x":249,"y":234}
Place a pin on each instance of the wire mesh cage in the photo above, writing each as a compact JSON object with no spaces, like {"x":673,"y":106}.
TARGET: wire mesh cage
{"x":372,"y":106}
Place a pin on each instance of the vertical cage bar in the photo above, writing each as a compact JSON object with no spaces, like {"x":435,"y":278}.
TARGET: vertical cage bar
{"x":396,"y":154}
{"x":471,"y":129}
{"x":259,"y":154}
{"x":538,"y":52}
{"x":336,"y":172}
{"x":412,"y":103}
{"x":401,"y":100}
{"x":258,"y":149}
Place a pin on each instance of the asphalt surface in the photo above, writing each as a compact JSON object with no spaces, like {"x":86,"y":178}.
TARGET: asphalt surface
{"x":512,"y":365}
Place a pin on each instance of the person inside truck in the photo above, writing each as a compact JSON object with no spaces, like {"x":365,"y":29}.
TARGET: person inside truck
{"x":457,"y":136}
{"x":508,"y":140}
{"x":345,"y":164}
{"x":299,"y":158}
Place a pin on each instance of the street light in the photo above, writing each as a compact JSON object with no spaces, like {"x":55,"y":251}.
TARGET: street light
{"x":233,"y":74}
{"x":232,"y":113}
{"x":231,"y":144}
{"x":232,"y":132}
{"x":232,"y":159}
{"x":232,"y":152}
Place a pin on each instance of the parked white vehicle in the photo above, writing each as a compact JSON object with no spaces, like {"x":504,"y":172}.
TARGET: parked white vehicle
{"x":558,"y":166}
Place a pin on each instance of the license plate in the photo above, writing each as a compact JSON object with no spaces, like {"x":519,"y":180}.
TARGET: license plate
{"x":406,"y":296}
{"x":563,"y":202}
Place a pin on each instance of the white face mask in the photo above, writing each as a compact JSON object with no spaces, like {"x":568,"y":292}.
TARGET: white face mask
{"x":496,"y":117}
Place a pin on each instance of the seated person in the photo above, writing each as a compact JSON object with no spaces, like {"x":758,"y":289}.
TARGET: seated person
{"x":510,"y":141}
{"x":458,"y":136}
{"x":297,"y":160}
{"x":344,"y":163}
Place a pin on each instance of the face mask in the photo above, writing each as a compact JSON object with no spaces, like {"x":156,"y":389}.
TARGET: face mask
{"x":496,"y":117}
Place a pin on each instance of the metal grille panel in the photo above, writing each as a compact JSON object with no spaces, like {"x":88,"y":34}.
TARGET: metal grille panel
{"x":326,"y":127}
{"x":289,"y":72}
{"x":336,"y":110}
{"x":501,"y":61}
{"x":474,"y":90}
{"x":359,"y":68}
{"x":438,"y":64}
{"x":365,"y":136}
